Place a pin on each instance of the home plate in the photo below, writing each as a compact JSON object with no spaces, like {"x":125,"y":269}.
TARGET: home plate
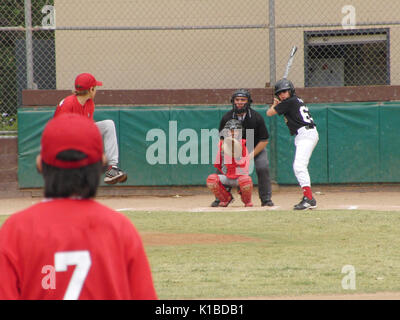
{"x":125,"y":209}
{"x":234,"y":209}
{"x":199,"y":210}
{"x":352,"y":207}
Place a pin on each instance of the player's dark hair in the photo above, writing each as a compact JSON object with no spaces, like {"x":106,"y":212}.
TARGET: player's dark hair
{"x":82,"y":182}
{"x":80,"y":93}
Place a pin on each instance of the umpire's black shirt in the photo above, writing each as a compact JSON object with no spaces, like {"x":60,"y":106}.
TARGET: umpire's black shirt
{"x":253,"y":120}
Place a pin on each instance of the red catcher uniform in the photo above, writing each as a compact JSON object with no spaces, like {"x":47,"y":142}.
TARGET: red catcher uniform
{"x":72,"y":249}
{"x":228,"y":166}
{"x":235,"y":170}
{"x":71,"y":105}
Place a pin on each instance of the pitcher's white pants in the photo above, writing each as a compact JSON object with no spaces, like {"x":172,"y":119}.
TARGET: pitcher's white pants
{"x":109,"y":134}
{"x":305,"y":142}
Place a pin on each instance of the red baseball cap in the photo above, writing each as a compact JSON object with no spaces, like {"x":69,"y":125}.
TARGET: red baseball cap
{"x":71,"y":132}
{"x":85,"y":81}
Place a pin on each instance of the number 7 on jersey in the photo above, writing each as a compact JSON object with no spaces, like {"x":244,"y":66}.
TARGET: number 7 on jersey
{"x":82,"y":261}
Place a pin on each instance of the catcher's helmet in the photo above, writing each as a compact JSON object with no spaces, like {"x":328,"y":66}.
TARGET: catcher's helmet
{"x":241,"y":93}
{"x":232,"y":124}
{"x":283,"y":85}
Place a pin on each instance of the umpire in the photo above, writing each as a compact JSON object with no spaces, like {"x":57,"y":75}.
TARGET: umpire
{"x":257,"y":140}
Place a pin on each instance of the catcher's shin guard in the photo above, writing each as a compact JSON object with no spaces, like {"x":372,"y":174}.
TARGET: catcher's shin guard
{"x":246,"y":190}
{"x":215,"y":185}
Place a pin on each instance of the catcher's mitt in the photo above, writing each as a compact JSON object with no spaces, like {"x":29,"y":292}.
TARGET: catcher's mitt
{"x":232,"y":148}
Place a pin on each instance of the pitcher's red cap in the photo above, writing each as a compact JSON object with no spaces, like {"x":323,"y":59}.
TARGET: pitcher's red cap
{"x":71,"y":132}
{"x":85,"y":81}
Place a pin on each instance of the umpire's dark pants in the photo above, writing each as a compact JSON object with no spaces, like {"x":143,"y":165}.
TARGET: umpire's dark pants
{"x":261,"y":164}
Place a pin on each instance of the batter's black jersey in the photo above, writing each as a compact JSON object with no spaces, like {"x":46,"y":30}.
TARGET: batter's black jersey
{"x":253,"y":120}
{"x":296,"y":114}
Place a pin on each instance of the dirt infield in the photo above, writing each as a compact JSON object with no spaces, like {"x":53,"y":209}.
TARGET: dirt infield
{"x":197,"y":199}
{"x":354,"y":197}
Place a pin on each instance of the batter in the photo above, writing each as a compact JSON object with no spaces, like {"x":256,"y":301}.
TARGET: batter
{"x":300,"y":123}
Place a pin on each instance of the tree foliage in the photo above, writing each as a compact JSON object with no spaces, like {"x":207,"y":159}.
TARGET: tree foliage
{"x":12,"y":14}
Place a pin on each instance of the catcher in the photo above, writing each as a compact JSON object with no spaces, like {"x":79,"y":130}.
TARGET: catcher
{"x":233,"y":163}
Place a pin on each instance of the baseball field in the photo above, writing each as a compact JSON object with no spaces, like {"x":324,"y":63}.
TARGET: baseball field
{"x":347,"y":248}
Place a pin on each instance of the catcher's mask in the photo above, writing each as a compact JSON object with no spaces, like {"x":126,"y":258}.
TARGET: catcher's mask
{"x":233,"y":128}
{"x":241,"y":93}
{"x":283,"y":85}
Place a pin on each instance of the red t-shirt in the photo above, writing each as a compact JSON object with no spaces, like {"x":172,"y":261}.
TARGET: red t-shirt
{"x":72,"y":249}
{"x":71,"y":105}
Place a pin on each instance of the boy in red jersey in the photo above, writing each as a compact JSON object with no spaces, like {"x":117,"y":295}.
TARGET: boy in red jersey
{"x":69,"y":246}
{"x":81,"y":102}
{"x":232,"y":163}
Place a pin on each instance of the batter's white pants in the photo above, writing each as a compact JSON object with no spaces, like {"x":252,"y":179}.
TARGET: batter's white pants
{"x":305,"y":142}
{"x":109,"y":134}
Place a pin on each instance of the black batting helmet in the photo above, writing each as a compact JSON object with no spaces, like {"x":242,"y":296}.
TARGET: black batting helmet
{"x":241,"y":93}
{"x":283,"y":85}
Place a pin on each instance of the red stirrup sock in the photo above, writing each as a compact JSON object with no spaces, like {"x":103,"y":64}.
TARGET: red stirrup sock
{"x":307,"y":192}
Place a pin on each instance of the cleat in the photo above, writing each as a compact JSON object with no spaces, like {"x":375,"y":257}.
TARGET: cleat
{"x":249,"y":204}
{"x":306,"y":204}
{"x":267,"y":203}
{"x":225,"y":204}
{"x":215,"y":203}
{"x":114,"y":175}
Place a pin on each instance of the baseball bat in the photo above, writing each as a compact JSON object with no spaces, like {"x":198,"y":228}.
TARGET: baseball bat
{"x":290,"y":61}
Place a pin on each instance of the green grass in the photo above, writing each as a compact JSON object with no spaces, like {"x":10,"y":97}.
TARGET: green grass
{"x":2,"y":219}
{"x":295,"y":253}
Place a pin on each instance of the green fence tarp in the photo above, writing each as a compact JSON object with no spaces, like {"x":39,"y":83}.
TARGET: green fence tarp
{"x":389,"y":143}
{"x":358,"y":142}
{"x":171,"y":146}
{"x":31,"y":123}
{"x":30,"y":127}
{"x":353,"y":144}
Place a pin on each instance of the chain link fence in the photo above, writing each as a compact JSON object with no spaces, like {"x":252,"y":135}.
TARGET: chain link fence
{"x":195,"y":44}
{"x":24,"y":52}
